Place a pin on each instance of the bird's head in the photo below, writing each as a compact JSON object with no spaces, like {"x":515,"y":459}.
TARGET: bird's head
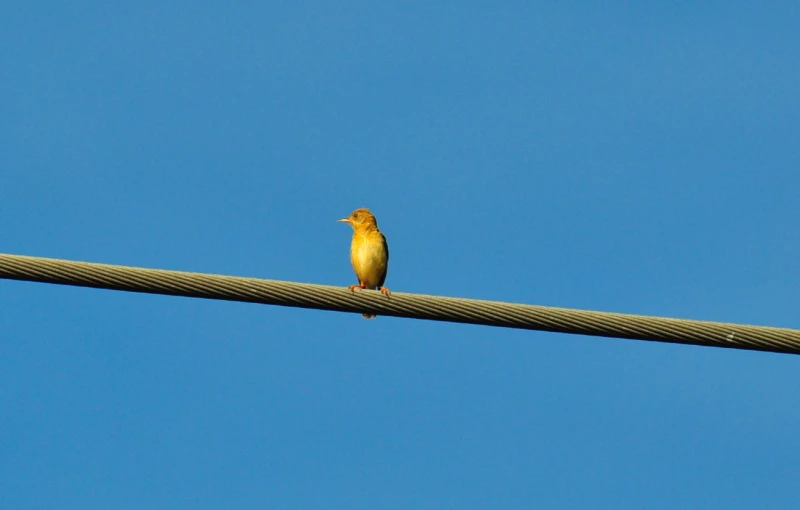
{"x":360,"y":218}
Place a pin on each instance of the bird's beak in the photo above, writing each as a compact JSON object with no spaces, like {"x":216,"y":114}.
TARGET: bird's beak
{"x":344,"y":220}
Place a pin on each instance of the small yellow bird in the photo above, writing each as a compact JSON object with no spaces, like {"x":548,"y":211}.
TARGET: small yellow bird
{"x":369,"y":253}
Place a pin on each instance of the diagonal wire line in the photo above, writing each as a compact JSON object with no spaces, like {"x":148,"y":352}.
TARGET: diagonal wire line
{"x":412,"y":306}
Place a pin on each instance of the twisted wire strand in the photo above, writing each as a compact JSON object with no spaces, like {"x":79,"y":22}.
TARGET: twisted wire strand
{"x":414,"y":306}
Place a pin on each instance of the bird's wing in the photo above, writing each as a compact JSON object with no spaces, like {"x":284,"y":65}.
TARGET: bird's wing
{"x":386,"y":265}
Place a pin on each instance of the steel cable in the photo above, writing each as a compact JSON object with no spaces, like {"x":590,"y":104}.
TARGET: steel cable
{"x":414,"y":306}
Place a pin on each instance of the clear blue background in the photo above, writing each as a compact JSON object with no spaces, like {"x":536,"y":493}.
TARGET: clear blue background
{"x":632,"y":157}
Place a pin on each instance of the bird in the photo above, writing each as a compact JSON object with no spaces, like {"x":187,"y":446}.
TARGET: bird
{"x":369,"y":253}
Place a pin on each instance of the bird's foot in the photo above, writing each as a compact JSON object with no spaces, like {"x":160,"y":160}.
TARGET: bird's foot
{"x":353,"y":288}
{"x":385,"y":291}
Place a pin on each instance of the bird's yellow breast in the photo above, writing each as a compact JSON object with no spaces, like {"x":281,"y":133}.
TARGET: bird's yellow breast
{"x":370,"y":258}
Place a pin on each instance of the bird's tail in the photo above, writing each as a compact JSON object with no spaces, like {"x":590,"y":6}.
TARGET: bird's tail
{"x":368,"y":315}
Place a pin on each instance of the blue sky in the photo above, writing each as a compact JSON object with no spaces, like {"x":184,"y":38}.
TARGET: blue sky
{"x":634,"y":157}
